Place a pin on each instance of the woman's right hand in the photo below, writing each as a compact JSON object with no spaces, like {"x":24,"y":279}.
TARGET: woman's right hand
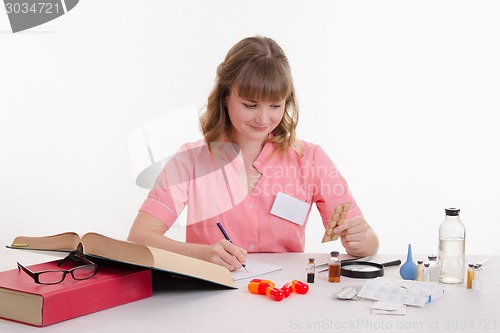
{"x":150,"y":231}
{"x":226,"y":254}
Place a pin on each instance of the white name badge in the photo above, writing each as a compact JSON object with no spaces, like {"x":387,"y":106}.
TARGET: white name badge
{"x":290,"y":208}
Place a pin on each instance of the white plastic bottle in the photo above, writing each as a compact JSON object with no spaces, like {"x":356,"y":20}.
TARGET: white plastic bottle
{"x":433,"y":269}
{"x":451,"y":256}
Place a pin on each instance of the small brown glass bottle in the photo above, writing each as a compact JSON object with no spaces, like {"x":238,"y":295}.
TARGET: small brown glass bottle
{"x":311,"y":270}
{"x":334,"y":267}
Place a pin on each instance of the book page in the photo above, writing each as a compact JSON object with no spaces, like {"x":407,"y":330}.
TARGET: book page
{"x":62,"y":242}
{"x":177,"y":263}
{"x":254,"y":268}
{"x":109,"y":248}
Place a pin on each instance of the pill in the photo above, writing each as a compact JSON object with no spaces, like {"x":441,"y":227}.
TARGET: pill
{"x":300,"y":287}
{"x":274,"y":293}
{"x":257,"y":286}
{"x":287,"y":289}
{"x":260,"y":280}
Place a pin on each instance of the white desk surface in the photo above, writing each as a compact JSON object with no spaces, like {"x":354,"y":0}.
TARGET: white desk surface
{"x":181,"y":307}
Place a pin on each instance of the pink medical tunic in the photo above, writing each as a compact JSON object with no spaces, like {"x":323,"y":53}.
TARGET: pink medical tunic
{"x":213,"y":186}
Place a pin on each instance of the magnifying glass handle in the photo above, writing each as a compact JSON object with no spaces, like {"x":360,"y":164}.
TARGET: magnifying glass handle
{"x":392,"y":263}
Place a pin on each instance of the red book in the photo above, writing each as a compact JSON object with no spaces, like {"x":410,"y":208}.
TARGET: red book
{"x":22,"y":300}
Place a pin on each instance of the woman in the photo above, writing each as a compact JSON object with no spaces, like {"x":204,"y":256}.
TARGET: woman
{"x":250,"y":172}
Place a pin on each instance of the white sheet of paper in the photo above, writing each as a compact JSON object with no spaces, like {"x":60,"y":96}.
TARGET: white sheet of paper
{"x":290,"y":208}
{"x":379,"y":305}
{"x":385,"y":308}
{"x":254,"y":268}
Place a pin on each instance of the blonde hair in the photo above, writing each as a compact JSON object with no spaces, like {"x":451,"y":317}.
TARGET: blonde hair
{"x":258,"y":68}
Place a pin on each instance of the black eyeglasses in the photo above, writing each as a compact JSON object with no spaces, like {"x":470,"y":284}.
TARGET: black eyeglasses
{"x":57,"y":276}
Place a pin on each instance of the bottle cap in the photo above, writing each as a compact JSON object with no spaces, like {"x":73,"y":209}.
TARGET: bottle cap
{"x":432,"y":257}
{"x":334,"y":253}
{"x":311,"y":259}
{"x":452,"y":211}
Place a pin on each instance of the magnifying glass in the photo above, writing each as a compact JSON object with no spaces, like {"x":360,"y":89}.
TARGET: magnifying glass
{"x":365,"y":269}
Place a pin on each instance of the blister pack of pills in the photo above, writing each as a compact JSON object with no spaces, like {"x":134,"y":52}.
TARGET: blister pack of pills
{"x":348,"y":293}
{"x":416,"y":293}
{"x":338,"y":217}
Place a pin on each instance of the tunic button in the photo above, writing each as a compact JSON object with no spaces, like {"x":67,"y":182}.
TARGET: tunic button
{"x":250,"y":204}
{"x":251,"y":247}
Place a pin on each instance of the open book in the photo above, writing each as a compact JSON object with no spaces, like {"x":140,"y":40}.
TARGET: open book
{"x":99,"y":246}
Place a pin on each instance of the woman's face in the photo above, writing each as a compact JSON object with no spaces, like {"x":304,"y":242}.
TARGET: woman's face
{"x":252,"y":120}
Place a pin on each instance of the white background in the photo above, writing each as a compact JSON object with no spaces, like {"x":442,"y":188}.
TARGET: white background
{"x":403,"y":96}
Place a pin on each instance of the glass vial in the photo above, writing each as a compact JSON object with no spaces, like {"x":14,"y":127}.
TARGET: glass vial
{"x":452,"y":248}
{"x":334,"y":267}
{"x":420,"y":270}
{"x":311,"y":270}
{"x":470,"y":276}
{"x":481,"y":277}
{"x":477,"y":280}
{"x":427,"y":272}
{"x":433,"y":269}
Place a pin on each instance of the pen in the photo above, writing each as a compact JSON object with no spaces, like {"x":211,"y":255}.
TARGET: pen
{"x":226,"y":236}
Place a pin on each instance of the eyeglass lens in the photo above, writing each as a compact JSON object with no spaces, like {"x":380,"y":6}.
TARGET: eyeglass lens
{"x":78,"y":273}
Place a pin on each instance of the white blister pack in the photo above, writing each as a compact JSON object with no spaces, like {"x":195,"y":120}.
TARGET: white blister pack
{"x":416,"y":293}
